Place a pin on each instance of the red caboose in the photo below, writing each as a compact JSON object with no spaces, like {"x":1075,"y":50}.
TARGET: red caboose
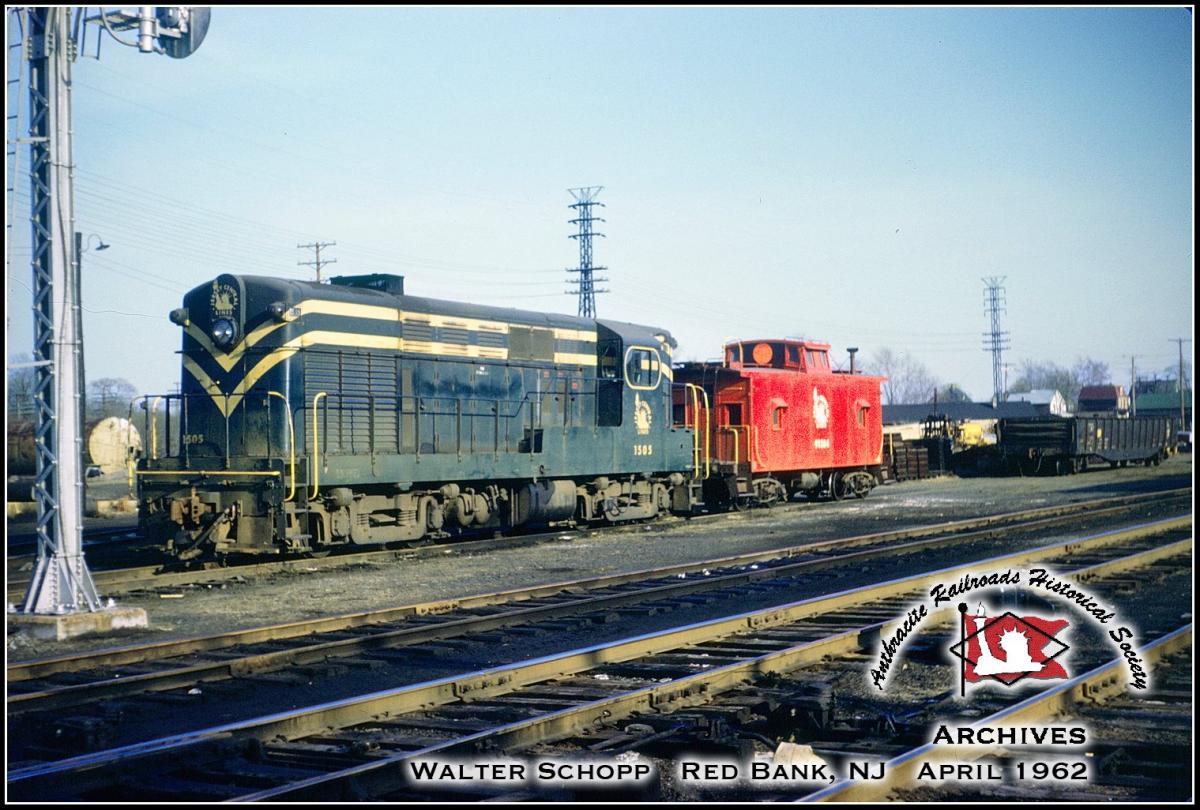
{"x":775,"y":419}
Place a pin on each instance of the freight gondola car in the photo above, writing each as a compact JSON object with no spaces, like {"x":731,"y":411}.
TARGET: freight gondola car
{"x":1059,"y":445}
{"x":319,"y":415}
{"x":774,"y":420}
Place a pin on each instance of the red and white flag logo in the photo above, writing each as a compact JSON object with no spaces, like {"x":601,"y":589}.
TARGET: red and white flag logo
{"x":1008,"y":648}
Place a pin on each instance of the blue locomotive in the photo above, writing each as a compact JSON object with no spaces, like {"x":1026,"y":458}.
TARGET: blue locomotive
{"x":317,"y":415}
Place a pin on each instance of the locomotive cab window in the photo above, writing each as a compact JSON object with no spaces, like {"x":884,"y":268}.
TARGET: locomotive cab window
{"x":642,"y":369}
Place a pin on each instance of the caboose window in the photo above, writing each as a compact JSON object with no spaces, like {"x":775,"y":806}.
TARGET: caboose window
{"x":642,"y":368}
{"x":793,"y":355}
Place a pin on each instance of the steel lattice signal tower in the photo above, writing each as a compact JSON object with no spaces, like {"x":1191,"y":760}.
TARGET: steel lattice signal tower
{"x":61,"y":581}
{"x":585,"y":287}
{"x":50,"y":40}
{"x":995,"y":341}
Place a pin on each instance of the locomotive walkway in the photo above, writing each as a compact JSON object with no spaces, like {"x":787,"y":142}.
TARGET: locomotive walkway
{"x":356,"y":747}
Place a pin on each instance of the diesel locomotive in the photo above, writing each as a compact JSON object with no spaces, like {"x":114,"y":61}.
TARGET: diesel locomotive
{"x":312,"y":416}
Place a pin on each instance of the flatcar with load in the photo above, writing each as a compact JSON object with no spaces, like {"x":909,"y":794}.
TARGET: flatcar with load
{"x":315,"y":415}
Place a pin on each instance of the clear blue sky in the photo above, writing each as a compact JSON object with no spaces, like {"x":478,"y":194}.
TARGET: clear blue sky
{"x":843,"y":174}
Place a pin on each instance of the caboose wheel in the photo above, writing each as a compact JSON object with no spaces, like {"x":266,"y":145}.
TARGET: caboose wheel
{"x":837,"y":490}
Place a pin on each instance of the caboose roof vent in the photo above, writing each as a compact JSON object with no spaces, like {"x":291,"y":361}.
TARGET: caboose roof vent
{"x":384,"y":282}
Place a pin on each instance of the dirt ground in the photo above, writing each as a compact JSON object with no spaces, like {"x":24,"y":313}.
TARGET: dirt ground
{"x":331,"y":591}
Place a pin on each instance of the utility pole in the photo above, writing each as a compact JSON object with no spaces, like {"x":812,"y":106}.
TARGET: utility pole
{"x":995,"y":340}
{"x":1183,"y":423}
{"x":318,"y":263}
{"x":585,"y":198}
{"x":1132,"y":385}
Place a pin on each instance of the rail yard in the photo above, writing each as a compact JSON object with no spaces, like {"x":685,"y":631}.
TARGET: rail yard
{"x":409,"y":532}
{"x":734,"y":638}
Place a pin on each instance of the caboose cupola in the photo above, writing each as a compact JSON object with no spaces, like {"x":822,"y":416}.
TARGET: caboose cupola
{"x":796,"y":355}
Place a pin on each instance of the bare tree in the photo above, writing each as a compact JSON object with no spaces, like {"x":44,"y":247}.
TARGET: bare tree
{"x":109,"y":396}
{"x":951,"y":392}
{"x":1067,"y":381}
{"x":21,"y":382}
{"x":908,"y":380}
{"x":1091,"y":372}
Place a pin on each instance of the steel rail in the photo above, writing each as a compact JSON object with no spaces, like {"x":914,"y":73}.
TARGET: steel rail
{"x":504,"y":679}
{"x":117,"y":581}
{"x":1096,"y":685}
{"x":208,"y":671}
{"x":679,"y":693}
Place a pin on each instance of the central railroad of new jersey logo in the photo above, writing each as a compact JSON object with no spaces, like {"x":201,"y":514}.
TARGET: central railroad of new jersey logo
{"x":1009,"y":648}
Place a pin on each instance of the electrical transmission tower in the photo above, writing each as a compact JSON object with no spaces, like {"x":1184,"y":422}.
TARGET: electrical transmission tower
{"x":585,"y":285}
{"x":995,"y":341}
{"x":318,"y":262}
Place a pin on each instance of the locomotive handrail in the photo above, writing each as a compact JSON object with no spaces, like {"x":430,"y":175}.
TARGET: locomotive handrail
{"x":291,"y":443}
{"x":214,"y":473}
{"x":697,"y":392}
{"x":153,"y":409}
{"x":316,"y":456}
{"x":691,"y":389}
{"x":130,"y":460}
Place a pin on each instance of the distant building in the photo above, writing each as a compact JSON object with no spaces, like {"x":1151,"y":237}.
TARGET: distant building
{"x":1162,"y":405}
{"x":1103,"y":398}
{"x":1047,"y":401}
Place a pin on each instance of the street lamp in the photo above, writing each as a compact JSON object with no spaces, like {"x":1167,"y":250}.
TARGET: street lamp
{"x":100,"y":243}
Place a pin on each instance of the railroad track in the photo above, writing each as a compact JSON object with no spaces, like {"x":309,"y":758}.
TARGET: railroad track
{"x":71,"y":680}
{"x":1099,"y":699}
{"x":94,"y":540}
{"x":357,"y":747}
{"x":158,"y":578}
